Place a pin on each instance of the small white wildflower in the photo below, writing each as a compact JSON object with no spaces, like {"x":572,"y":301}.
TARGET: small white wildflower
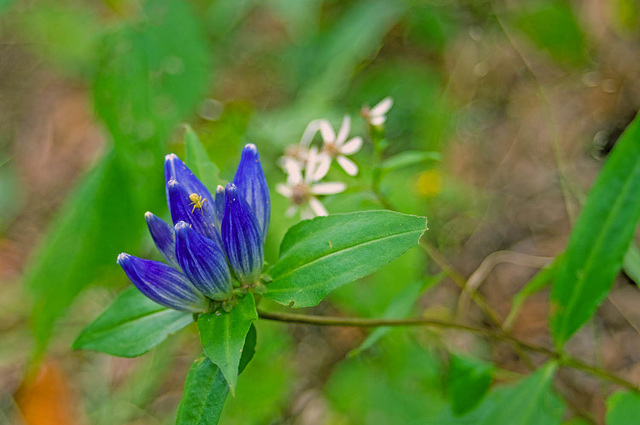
{"x":337,"y":147}
{"x":377,"y":115}
{"x":299,"y":151}
{"x":302,"y":190}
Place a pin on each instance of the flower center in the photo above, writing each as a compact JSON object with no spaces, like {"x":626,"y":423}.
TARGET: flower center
{"x":331,"y":149}
{"x":300,"y":193}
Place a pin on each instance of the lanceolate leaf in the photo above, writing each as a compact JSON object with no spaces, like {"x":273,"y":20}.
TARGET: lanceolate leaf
{"x":530,"y":402}
{"x":131,"y":326}
{"x":206,"y":389}
{"x":198,"y":161}
{"x":600,"y":238}
{"x":623,"y":408}
{"x":223,"y":336}
{"x":319,"y":255}
{"x":468,"y":381}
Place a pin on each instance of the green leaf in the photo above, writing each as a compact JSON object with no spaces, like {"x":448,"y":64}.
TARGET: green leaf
{"x":631,"y":263}
{"x":553,"y":27}
{"x":468,"y":382}
{"x":223,"y":336}
{"x":198,"y":161}
{"x":600,"y":238}
{"x":206,"y":388}
{"x":540,"y":281}
{"x":623,"y":408}
{"x":530,"y":402}
{"x":409,"y":158}
{"x":80,"y":248}
{"x":319,"y":255}
{"x":398,"y":308}
{"x":131,"y":326}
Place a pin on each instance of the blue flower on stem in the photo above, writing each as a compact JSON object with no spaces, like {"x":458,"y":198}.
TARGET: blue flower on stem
{"x":214,"y":243}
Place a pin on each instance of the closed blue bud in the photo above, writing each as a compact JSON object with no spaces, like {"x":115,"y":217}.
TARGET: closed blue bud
{"x":203,"y":262}
{"x":242,"y":237}
{"x":163,"y":284}
{"x":252,"y":185}
{"x":185,"y":207}
{"x":175,"y":169}
{"x":164,"y":238}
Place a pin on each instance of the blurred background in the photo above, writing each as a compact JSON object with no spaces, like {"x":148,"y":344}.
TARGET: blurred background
{"x":522,"y":100}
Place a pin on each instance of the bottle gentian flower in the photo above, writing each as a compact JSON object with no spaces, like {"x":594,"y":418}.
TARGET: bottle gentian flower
{"x":214,"y":241}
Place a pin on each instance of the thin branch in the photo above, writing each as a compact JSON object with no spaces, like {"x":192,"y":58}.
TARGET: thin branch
{"x":565,"y":360}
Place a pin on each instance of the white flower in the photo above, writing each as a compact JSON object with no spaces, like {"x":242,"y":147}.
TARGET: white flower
{"x":302,"y":191}
{"x":299,"y":152}
{"x":337,"y":147}
{"x":377,"y":115}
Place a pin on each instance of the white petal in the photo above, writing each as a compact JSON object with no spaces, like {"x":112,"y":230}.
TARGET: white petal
{"x":324,"y":162}
{"x":379,"y":120}
{"x":328,"y":135}
{"x":348,"y":165}
{"x":317,"y":207}
{"x":284,"y":190}
{"x":291,"y":211}
{"x":306,"y":213}
{"x":309,"y":132}
{"x":293,"y":169}
{"x":312,"y":164}
{"x":352,"y":146}
{"x":343,"y":133}
{"x":382,"y":107}
{"x":328,"y":188}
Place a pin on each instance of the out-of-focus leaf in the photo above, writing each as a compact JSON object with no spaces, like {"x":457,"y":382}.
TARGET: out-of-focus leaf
{"x":623,"y":408}
{"x":530,"y":402}
{"x":433,"y":24}
{"x":206,"y":388}
{"x":409,"y":158}
{"x":553,"y":27}
{"x":540,"y":281}
{"x":301,"y":16}
{"x":319,"y":255}
{"x":5,"y":4}
{"x":131,"y":326}
{"x":11,"y":193}
{"x":151,"y":76}
{"x":223,"y":336}
{"x":631,"y":263}
{"x":600,"y":238}
{"x":223,"y":16}
{"x":398,"y":308}
{"x":468,"y":382}
{"x":198,"y":161}
{"x":81,"y":246}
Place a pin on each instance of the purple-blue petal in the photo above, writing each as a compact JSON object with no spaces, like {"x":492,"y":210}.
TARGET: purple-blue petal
{"x":163,"y":237}
{"x":203,"y":262}
{"x":175,"y":169}
{"x":242,"y":237}
{"x":182,"y":209}
{"x":163,"y":284}
{"x":252,"y":185}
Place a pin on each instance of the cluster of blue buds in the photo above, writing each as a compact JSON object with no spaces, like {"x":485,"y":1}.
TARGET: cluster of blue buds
{"x":216,"y":243}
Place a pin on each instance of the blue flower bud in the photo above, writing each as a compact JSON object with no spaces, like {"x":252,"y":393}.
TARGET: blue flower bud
{"x":203,"y":262}
{"x":175,"y":169}
{"x":163,"y":284}
{"x":242,"y":237}
{"x":252,"y":185}
{"x":163,"y":237}
{"x":196,"y":211}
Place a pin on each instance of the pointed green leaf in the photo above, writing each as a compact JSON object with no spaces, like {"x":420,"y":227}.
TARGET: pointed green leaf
{"x":531,"y":402}
{"x":409,"y":158}
{"x":198,"y":160}
{"x":319,"y":255}
{"x":223,"y":336}
{"x":600,"y":238}
{"x":623,"y":408}
{"x":468,"y":382}
{"x":131,"y":326}
{"x":206,"y":389}
{"x":631,"y":263}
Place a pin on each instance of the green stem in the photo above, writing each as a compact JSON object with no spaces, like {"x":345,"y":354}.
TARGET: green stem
{"x":498,"y":335}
